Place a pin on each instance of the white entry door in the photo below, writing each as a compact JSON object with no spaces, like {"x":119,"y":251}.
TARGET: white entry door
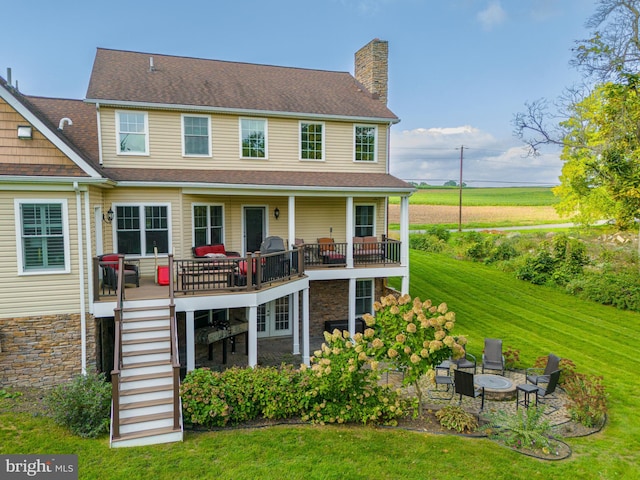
{"x":274,"y":319}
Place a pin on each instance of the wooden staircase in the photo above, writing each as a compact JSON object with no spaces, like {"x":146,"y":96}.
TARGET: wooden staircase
{"x":146,"y":406}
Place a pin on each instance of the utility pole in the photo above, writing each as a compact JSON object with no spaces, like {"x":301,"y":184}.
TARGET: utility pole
{"x":460,"y":188}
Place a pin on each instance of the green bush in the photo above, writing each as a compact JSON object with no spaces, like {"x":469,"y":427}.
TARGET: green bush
{"x":620,"y":290}
{"x":455,"y":418}
{"x":427,"y":243}
{"x":526,"y":428}
{"x":82,"y":405}
{"x":587,"y":399}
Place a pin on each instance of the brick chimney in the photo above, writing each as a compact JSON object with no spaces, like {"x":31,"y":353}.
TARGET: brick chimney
{"x":371,"y":67}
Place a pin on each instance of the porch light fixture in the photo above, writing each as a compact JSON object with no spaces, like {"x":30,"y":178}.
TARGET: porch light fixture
{"x":25,"y":132}
{"x":276,"y":213}
{"x":109,"y":217}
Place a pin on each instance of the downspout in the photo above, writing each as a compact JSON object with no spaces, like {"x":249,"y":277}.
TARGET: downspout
{"x":87,"y":234}
{"x":99,"y":134}
{"x":83,"y":318}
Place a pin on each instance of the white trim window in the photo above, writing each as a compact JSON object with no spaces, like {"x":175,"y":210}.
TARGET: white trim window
{"x":196,"y":135}
{"x":365,"y":141}
{"x":208,"y":224}
{"x":42,"y":236}
{"x":365,"y":220}
{"x":139,"y":228}
{"x":253,"y":138}
{"x":311,"y":141}
{"x":364,"y":297}
{"x":132,"y":130}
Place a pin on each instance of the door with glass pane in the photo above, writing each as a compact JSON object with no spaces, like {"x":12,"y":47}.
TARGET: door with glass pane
{"x":254,"y":228}
{"x":273,"y":318}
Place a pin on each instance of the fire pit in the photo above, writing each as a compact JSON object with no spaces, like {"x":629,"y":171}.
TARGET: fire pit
{"x":496,"y":387}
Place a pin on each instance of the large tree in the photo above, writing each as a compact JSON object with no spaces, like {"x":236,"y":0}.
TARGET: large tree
{"x":600,"y":128}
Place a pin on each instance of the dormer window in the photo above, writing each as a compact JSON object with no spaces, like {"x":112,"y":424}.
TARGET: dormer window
{"x":132,"y":130}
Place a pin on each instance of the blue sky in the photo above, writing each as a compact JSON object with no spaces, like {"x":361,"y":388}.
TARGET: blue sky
{"x":458,"y":69}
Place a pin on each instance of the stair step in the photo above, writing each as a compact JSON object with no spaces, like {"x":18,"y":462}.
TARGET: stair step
{"x":146,"y":319}
{"x":155,"y":388}
{"x":146,"y":433}
{"x":146,"y":403}
{"x":146,"y":352}
{"x":146,"y":418}
{"x":146,"y":376}
{"x":140,"y":341}
{"x":152,"y":363}
{"x":146,"y":329}
{"x":146,"y":308}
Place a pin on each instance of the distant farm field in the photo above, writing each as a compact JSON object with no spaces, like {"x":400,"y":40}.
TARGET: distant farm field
{"x":512,"y":196}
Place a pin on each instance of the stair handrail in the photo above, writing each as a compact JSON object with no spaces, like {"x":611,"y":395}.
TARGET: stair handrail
{"x":117,"y":351}
{"x":175,"y":355}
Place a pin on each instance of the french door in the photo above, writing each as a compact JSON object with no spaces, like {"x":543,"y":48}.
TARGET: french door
{"x":274,"y":319}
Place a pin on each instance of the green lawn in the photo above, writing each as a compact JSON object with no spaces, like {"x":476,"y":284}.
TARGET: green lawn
{"x":488,"y":303}
{"x":483,"y":197}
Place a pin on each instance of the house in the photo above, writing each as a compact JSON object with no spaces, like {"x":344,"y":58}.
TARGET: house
{"x":260,"y":191}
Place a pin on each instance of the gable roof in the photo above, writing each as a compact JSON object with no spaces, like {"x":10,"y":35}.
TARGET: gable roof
{"x":126,"y":78}
{"x":84,"y":167}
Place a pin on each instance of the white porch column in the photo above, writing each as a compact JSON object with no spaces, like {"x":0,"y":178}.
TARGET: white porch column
{"x":191,"y":341}
{"x":296,"y":322}
{"x":292,"y":221}
{"x":352,"y":306}
{"x":404,"y":238}
{"x":349,"y":230}
{"x":253,"y":336}
{"x":305,"y":326}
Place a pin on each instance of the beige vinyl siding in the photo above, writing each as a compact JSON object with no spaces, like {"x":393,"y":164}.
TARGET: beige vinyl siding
{"x":165,"y":145}
{"x":31,"y":295}
{"x":39,"y":150}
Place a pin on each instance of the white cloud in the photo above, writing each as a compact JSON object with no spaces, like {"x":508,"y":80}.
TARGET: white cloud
{"x":492,"y":16}
{"x":432,"y":155}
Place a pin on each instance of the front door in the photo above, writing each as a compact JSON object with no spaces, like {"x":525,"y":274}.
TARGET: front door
{"x":273,"y":318}
{"x":254,"y":228}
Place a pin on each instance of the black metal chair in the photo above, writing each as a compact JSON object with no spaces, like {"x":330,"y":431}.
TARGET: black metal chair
{"x":464,"y":385}
{"x":442,"y":379}
{"x":492,"y":358}
{"x":545,"y":395}
{"x":466,"y":362}
{"x":538,"y":375}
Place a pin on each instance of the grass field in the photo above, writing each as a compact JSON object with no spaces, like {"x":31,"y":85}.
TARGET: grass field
{"x":488,"y":303}
{"x":511,"y":196}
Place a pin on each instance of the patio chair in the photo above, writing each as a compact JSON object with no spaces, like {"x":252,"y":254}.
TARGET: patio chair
{"x":109,"y":265}
{"x":492,"y":358}
{"x":545,"y":394}
{"x":445,"y":379}
{"x":467,"y":361}
{"x":464,"y":385}
{"x":538,"y":375}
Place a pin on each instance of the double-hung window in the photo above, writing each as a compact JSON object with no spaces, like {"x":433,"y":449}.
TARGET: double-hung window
{"x":207,"y":225}
{"x":364,"y":297}
{"x":196,"y":136}
{"x":365,"y":143}
{"x":253,"y":135}
{"x":43,"y":236}
{"x":365,"y":221}
{"x":133,"y":133}
{"x":139,"y":228}
{"x":311,"y":141}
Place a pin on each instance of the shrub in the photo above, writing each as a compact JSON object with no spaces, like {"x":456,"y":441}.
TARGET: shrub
{"x":526,"y":428}
{"x":455,"y":418}
{"x":587,"y":399}
{"x":82,"y":405}
{"x":511,"y":358}
{"x":620,"y":290}
{"x":501,"y":252}
{"x":427,"y":243}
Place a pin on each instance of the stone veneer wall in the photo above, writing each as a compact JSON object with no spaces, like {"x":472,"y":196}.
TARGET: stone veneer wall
{"x":43,"y":351}
{"x":329,"y":300}
{"x":372,"y":66}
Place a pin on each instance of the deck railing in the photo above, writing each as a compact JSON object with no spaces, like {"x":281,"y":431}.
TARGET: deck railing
{"x":325,"y":254}
{"x":117,"y":351}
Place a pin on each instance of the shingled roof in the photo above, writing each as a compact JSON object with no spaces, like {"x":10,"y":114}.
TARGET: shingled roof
{"x":122,"y":77}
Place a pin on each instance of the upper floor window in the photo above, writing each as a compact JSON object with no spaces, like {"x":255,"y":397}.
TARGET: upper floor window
{"x":365,"y":221}
{"x":139,"y":228}
{"x":311,"y":141}
{"x":196,"y":136}
{"x":132,"y":130}
{"x":253,"y":133}
{"x":207,"y":225}
{"x":365,"y":143}
{"x":43,"y":236}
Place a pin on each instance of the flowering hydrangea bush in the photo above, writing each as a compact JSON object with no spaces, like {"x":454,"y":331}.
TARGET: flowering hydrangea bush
{"x":412,"y":335}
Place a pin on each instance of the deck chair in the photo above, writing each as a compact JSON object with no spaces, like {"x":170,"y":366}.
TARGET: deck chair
{"x":443,"y":377}
{"x":464,"y":385}
{"x":545,"y":394}
{"x":492,"y":358}
{"x":538,"y":375}
{"x":466,"y":362}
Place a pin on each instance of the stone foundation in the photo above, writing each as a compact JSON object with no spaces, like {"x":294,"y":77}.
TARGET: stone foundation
{"x":43,"y":351}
